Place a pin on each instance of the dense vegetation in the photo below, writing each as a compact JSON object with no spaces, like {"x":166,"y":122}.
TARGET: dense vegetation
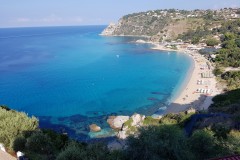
{"x":14,"y":124}
{"x":229,"y":54}
{"x":228,"y":103}
{"x":212,"y":42}
{"x":232,"y":78}
{"x":195,"y":35}
{"x":165,"y":139}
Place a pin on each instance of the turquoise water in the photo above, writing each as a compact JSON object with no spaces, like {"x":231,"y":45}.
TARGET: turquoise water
{"x":71,"y":76}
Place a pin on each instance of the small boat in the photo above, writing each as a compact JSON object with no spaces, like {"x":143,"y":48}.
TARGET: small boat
{"x":117,"y":55}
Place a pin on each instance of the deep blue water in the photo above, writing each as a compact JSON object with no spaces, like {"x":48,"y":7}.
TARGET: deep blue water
{"x":71,"y":75}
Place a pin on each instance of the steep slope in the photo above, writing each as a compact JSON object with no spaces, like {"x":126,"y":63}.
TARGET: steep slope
{"x":168,"y":24}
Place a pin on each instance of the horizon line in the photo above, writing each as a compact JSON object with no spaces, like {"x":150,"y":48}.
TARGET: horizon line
{"x":53,"y":26}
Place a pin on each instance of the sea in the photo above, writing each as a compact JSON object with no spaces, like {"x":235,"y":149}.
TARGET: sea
{"x":71,"y":77}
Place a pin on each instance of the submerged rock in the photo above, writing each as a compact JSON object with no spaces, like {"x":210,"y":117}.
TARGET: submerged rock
{"x":95,"y":128}
{"x":104,"y":133}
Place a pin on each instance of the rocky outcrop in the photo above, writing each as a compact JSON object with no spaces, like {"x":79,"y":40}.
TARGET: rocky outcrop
{"x":109,"y":31}
{"x":135,"y":25}
{"x":116,"y":122}
{"x":137,"y":119}
{"x":131,"y":126}
{"x":94,"y":128}
{"x":122,"y":134}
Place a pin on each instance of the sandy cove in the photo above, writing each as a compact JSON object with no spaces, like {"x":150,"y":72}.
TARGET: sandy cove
{"x":188,"y":96}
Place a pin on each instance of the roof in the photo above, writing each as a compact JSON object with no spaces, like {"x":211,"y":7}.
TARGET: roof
{"x":6,"y":156}
{"x":235,"y":157}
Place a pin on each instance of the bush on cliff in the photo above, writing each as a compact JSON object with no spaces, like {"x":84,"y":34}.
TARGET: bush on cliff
{"x":14,"y":124}
{"x":159,"y":142}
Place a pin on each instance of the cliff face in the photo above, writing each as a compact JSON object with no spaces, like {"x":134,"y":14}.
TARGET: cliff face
{"x":158,"y":25}
{"x":109,"y":30}
{"x":140,"y":24}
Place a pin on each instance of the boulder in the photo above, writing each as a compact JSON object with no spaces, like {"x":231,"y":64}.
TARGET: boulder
{"x":110,"y":121}
{"x":137,"y":119}
{"x":125,"y":127}
{"x":190,"y":110}
{"x":122,"y":135}
{"x":140,"y":41}
{"x":94,"y":128}
{"x":116,"y":122}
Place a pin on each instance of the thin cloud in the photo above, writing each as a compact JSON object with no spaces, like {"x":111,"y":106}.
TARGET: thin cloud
{"x":75,"y":19}
{"x":23,"y":20}
{"x":50,"y":18}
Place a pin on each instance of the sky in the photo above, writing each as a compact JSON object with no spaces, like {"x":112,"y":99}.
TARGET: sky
{"x":31,"y":13}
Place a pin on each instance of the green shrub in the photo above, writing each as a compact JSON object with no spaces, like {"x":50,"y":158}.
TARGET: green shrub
{"x":203,"y":144}
{"x":58,"y":140}
{"x":14,"y":124}
{"x":158,"y":142}
{"x":150,"y":121}
{"x":19,"y":144}
{"x":39,"y":143}
{"x":212,"y":42}
{"x":72,"y":152}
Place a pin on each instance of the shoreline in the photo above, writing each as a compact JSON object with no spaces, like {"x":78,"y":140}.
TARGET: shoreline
{"x":186,"y":96}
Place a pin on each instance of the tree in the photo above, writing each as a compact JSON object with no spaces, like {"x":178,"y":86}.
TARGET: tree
{"x":73,"y":152}
{"x":234,"y":142}
{"x":209,"y":15}
{"x":19,"y":144}
{"x":202,"y":144}
{"x":39,"y":143}
{"x":14,"y":124}
{"x":58,"y":140}
{"x":229,"y":36}
{"x":237,"y":41}
{"x":221,"y":131}
{"x":229,"y":44}
{"x":158,"y":142}
{"x":195,"y":40}
{"x":77,"y":151}
{"x":217,"y":71}
{"x":212,"y":42}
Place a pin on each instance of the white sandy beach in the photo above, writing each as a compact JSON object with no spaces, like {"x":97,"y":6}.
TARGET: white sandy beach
{"x":189,"y":97}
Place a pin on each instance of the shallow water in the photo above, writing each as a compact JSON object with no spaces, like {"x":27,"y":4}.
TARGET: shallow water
{"x":57,"y":73}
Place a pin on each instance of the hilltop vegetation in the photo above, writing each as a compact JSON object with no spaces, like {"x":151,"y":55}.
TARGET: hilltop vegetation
{"x":171,"y":24}
{"x":229,"y":54}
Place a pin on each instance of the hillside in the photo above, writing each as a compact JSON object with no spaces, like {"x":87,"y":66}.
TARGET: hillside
{"x":168,"y":24}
